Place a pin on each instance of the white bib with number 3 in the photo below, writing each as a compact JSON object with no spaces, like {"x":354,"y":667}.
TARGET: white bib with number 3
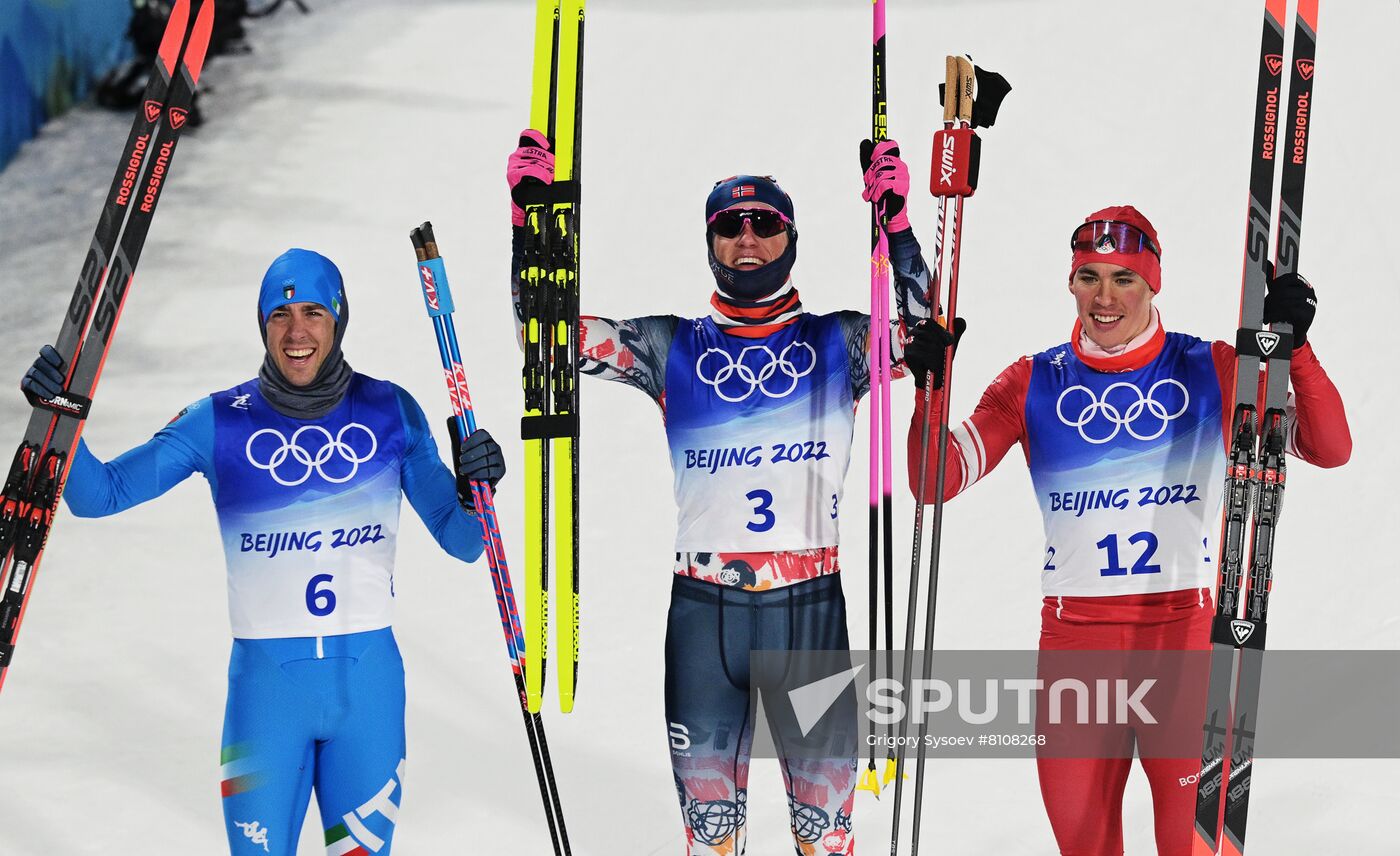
{"x":760,"y":435}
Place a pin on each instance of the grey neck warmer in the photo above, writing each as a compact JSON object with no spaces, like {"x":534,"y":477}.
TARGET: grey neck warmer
{"x":317,"y":398}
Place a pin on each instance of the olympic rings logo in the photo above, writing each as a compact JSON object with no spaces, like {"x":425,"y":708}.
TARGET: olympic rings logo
{"x":745,"y":370}
{"x":312,"y":461}
{"x":1127,"y":418}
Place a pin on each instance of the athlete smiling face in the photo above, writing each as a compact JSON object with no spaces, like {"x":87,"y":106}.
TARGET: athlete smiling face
{"x":299,"y":336}
{"x":1114,"y":303}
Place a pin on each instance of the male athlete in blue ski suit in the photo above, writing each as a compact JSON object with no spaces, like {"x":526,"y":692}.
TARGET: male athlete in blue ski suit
{"x":306,"y":464}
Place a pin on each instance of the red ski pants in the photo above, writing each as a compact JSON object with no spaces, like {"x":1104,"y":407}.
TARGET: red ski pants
{"x":1084,"y":796}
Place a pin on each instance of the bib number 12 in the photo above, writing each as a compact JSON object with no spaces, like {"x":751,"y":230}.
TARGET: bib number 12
{"x":1109,"y":545}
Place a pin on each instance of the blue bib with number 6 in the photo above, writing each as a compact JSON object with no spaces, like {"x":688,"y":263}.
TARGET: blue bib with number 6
{"x":308,"y":511}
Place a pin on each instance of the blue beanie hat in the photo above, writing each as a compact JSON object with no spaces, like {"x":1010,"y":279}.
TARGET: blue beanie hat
{"x":301,"y":276}
{"x":748,"y":188}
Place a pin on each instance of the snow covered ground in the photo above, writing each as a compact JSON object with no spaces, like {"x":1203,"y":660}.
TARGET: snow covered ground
{"x":347,"y":128}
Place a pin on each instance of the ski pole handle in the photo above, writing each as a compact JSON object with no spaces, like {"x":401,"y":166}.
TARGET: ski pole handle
{"x":437,"y":299}
{"x":967,"y":78}
{"x":956,"y":150}
{"x":951,"y":89}
{"x":432,"y":276}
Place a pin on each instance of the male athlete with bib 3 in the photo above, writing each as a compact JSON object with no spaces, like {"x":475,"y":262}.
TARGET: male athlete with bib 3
{"x":758,"y":399}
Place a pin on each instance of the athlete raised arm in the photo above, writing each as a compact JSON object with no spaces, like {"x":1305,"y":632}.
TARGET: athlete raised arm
{"x":1124,"y":428}
{"x":758,"y":398}
{"x":306,"y":465}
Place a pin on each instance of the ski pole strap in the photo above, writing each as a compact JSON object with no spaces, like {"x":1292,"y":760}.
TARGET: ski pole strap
{"x":548,"y":427}
{"x":1264,"y":344}
{"x":533,"y":192}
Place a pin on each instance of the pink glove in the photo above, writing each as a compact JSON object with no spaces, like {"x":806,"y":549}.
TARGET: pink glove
{"x":531,"y":159}
{"x":886,"y":180}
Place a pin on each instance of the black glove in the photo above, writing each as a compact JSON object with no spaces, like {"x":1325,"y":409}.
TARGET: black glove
{"x":44,"y":379}
{"x":1290,"y":299}
{"x":927,"y":347}
{"x":479,"y":459}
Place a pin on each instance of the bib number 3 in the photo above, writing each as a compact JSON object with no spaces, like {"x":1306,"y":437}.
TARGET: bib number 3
{"x":763,"y":501}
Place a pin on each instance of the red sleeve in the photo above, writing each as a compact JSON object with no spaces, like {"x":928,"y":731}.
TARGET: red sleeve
{"x":980,"y":442}
{"x":1317,"y":425}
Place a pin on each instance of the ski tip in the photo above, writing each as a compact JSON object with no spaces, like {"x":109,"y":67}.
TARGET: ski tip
{"x":566,"y":703}
{"x":533,"y":702}
{"x":174,"y":36}
{"x":199,"y":40}
{"x":1307,"y":13}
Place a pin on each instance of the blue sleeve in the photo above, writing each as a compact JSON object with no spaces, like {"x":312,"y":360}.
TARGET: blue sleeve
{"x":185,"y":446}
{"x":431,"y":487}
{"x":855,"y":329}
{"x":912,"y":279}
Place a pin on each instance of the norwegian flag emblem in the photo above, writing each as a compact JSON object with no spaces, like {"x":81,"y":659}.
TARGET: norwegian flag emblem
{"x":741,"y":191}
{"x":1305,"y":68}
{"x":429,"y":286}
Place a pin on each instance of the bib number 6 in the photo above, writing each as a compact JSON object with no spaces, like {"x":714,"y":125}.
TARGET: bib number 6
{"x":320,"y":601}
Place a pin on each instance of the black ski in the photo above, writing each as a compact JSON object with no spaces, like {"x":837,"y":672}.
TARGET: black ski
{"x":1256,"y":468}
{"x":40,"y":466}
